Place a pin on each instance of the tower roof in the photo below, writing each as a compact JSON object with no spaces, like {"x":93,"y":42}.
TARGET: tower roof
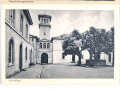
{"x":45,"y":16}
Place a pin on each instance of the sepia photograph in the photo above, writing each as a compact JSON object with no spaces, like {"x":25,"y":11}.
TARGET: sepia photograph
{"x":59,"y":44}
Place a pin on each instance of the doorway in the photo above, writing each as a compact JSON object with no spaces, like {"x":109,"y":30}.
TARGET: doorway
{"x":44,"y":58}
{"x":20,"y":57}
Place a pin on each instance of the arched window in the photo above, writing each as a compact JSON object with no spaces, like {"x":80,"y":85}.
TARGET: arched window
{"x":11,"y":52}
{"x":40,"y":45}
{"x":26,"y":31}
{"x":26,"y":53}
{"x":48,"y":45}
{"x":44,"y":45}
{"x":21,"y":24}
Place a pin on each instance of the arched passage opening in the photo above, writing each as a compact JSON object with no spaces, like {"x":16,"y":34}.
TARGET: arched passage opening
{"x":44,"y":58}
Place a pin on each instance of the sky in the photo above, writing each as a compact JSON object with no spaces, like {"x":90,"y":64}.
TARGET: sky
{"x":65,"y":21}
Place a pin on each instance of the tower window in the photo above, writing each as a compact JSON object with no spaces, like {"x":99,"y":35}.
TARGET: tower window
{"x":41,"y":20}
{"x":44,"y":20}
{"x":44,"y":45}
{"x":47,"y":20}
{"x":48,"y":45}
{"x":44,"y":33}
{"x":11,"y":52}
{"x":40,"y":45}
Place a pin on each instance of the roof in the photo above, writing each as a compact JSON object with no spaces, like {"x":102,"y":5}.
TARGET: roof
{"x":44,"y":40}
{"x":32,"y":36}
{"x":61,"y":37}
{"x":44,"y":15}
{"x":28,"y":16}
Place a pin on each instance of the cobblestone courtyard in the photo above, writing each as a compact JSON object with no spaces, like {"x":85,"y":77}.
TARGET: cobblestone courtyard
{"x":66,"y":70}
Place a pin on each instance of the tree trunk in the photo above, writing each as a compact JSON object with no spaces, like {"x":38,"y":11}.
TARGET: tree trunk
{"x":73,"y":58}
{"x":109,"y":55}
{"x":97,"y":56}
{"x":90,"y":55}
{"x":113,"y":59}
{"x":79,"y":63}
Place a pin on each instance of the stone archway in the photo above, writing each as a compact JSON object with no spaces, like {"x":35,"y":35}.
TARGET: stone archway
{"x":44,"y":58}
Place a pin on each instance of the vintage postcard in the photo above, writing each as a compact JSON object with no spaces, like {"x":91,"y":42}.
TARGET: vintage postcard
{"x":60,"y":44}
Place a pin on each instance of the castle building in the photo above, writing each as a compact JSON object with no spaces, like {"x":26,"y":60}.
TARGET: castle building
{"x":44,"y":45}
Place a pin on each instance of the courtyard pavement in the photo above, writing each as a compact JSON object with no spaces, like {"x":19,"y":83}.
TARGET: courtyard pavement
{"x":32,"y":72}
{"x":65,"y":70}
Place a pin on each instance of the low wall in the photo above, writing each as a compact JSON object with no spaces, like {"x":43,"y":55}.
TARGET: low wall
{"x":95,"y":63}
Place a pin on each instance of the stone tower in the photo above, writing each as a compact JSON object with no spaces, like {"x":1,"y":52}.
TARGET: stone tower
{"x":44,"y":26}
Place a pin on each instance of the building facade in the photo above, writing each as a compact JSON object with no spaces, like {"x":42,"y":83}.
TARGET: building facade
{"x":18,"y":47}
{"x":44,"y":45}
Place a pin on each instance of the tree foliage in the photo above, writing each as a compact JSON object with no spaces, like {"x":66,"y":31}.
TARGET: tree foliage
{"x":94,"y":40}
{"x":69,"y":45}
{"x":97,"y":41}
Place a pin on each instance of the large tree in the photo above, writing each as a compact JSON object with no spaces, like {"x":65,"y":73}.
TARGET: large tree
{"x":69,"y":45}
{"x":93,"y":40}
{"x":109,"y":44}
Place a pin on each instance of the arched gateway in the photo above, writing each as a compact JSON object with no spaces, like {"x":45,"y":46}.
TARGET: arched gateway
{"x":44,"y":58}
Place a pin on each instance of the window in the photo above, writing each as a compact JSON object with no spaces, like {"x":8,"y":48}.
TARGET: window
{"x":44,"y":45}
{"x":32,"y":39}
{"x":63,"y":56}
{"x":47,"y":20}
{"x":26,"y":31}
{"x":12,"y":17}
{"x":44,"y":20}
{"x":21,"y":24}
{"x":11,"y":52}
{"x":41,"y":20}
{"x":44,"y":33}
{"x":40,"y":45}
{"x":48,"y":45}
{"x":26,"y":53}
